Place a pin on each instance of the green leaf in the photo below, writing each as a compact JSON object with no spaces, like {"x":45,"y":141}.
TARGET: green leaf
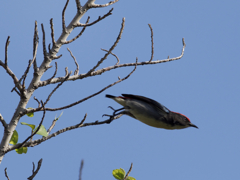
{"x":30,"y":125}
{"x":21,"y":150}
{"x":130,"y":178}
{"x":56,"y":118}
{"x":30,"y":114}
{"x":14,"y":138}
{"x":42,"y":131}
{"x":118,"y":173}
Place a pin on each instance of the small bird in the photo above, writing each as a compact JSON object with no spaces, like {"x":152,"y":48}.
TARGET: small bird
{"x":149,"y":112}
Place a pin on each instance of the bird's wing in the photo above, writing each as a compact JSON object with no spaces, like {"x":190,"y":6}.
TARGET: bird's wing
{"x":159,"y":106}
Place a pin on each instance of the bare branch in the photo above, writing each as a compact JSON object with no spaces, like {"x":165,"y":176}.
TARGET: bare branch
{"x":52,"y":32}
{"x":39,"y":104}
{"x":77,"y":69}
{"x":56,"y":68}
{"x":63,"y":17}
{"x":128,"y":172}
{"x":34,"y":173}
{"x":44,"y":43}
{"x":102,"y":5}
{"x":78,"y":4}
{"x":35,"y":46}
{"x":49,"y":96}
{"x":81,"y":32}
{"x":39,"y":141}
{"x":80,"y":170}
{"x":6,"y":51}
{"x":96,"y":21}
{"x":6,"y":173}
{"x":25,"y":74}
{"x":52,"y":126}
{"x":152,"y":52}
{"x":118,"y":61}
{"x":56,"y":57}
{"x":100,"y":71}
{"x":111,"y":49}
{"x":3,"y":122}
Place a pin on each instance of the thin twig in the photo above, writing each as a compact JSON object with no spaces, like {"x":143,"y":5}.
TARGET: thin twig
{"x":152,"y":47}
{"x":80,"y":170}
{"x":6,"y":173}
{"x":44,"y":43}
{"x":128,"y":172}
{"x":102,"y":5}
{"x":52,"y":32}
{"x":49,"y":96}
{"x":35,"y":46}
{"x":118,"y":61}
{"x":81,"y":32}
{"x":34,"y":173}
{"x":96,"y":21}
{"x":6,"y":51}
{"x":111,"y":49}
{"x":77,"y":69}
{"x":63,"y":17}
{"x":55,"y":72}
{"x":3,"y":122}
{"x":39,"y":104}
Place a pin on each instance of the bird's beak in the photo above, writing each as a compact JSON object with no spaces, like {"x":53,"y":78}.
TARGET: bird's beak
{"x":192,"y":125}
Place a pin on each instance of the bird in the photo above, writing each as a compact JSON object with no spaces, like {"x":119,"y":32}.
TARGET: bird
{"x":149,"y":112}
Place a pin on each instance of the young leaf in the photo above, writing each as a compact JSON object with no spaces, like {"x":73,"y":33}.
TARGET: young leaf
{"x":118,"y":173}
{"x":56,"y":118}
{"x":30,"y":125}
{"x":14,"y":138}
{"x":42,"y":131}
{"x":30,"y":114}
{"x":130,"y":178}
{"x":21,"y":150}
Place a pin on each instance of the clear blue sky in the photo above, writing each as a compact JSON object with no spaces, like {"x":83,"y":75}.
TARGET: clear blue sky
{"x":204,"y":85}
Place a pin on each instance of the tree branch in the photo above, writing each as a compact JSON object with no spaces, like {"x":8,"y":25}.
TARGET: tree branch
{"x":6,"y":173}
{"x":77,"y":69}
{"x":81,"y":32}
{"x":102,"y":5}
{"x":130,"y":169}
{"x":52,"y":32}
{"x":100,"y":71}
{"x":80,"y":170}
{"x":3,"y":122}
{"x":152,"y":48}
{"x":34,"y":173}
{"x":96,"y":21}
{"x":63,"y":18}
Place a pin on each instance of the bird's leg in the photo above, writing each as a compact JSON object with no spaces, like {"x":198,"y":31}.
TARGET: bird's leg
{"x":114,"y":113}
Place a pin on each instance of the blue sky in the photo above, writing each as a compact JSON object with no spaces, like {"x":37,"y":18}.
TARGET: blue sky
{"x":203,"y":85}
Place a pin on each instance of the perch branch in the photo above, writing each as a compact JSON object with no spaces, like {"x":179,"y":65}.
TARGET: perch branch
{"x":44,"y":43}
{"x":52,"y":32}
